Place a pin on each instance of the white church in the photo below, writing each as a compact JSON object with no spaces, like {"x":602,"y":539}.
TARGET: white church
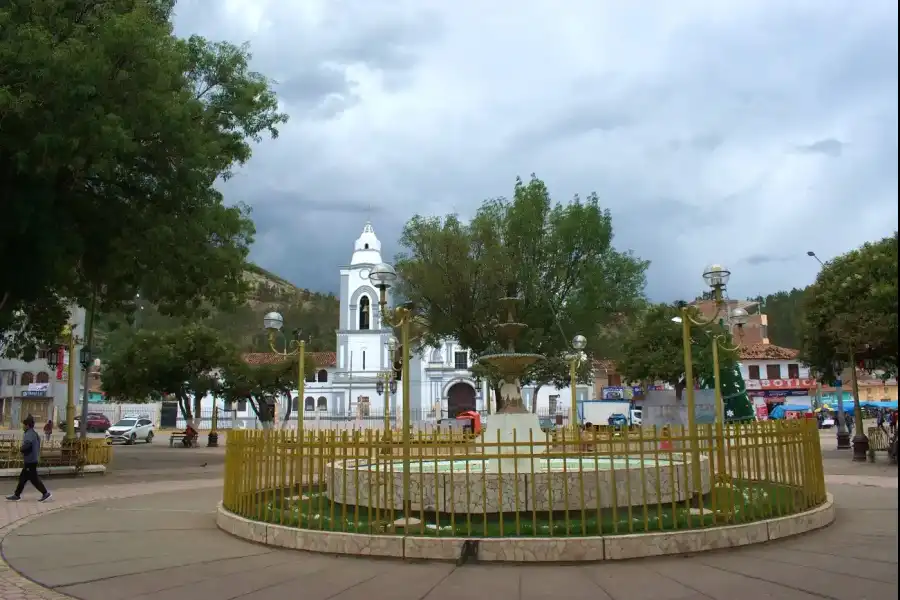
{"x":345,"y":387}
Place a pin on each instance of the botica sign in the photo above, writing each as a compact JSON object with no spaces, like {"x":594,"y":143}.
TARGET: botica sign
{"x":780,"y":384}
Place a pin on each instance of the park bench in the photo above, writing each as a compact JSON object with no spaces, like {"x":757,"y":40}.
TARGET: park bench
{"x":178,"y":436}
{"x":878,"y":442}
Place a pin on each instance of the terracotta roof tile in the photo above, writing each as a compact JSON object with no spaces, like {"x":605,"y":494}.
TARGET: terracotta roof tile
{"x":607,"y":365}
{"x":768,"y":352}
{"x":320,"y":359}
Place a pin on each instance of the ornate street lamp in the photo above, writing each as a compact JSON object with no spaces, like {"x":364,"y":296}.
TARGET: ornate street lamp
{"x":273,"y":323}
{"x":579,"y":343}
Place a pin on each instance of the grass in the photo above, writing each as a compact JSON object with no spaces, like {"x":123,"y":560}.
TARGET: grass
{"x":747,"y":501}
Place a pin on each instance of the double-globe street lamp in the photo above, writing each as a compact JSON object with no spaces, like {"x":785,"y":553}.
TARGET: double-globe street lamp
{"x":716,"y":277}
{"x":383,"y":276}
{"x":71,"y":341}
{"x":273,"y":323}
{"x":387,"y":386}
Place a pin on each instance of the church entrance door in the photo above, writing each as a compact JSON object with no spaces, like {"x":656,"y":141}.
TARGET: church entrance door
{"x":460,"y":398}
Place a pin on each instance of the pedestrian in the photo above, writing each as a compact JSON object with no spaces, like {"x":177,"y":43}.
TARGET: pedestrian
{"x":31,"y":453}
{"x":893,"y":422}
{"x":48,"y":430}
{"x":879,"y":421}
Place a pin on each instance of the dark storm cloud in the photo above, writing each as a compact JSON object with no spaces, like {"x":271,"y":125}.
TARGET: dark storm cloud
{"x":829,"y":147}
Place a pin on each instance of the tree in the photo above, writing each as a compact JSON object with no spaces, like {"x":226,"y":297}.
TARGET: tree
{"x":785,"y":312}
{"x":851,"y":313}
{"x":558,"y":258}
{"x":184,"y":362}
{"x":119,"y":130}
{"x":262,"y":385}
{"x":653,"y":350}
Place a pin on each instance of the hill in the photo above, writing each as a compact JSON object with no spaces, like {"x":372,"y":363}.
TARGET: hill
{"x":314,"y":313}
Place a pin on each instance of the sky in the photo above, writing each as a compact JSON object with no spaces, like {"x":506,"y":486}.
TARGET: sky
{"x":744,"y":133}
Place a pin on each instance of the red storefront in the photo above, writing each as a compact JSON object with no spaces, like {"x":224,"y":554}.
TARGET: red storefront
{"x":772,"y":392}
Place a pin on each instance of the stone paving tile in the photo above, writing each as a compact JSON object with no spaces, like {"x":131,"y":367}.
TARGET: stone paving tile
{"x":15,"y":587}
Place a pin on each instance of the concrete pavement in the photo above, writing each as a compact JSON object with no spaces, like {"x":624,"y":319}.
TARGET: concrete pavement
{"x":166,"y":546}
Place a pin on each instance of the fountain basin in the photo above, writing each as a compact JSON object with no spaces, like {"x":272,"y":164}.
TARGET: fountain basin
{"x":475,"y":486}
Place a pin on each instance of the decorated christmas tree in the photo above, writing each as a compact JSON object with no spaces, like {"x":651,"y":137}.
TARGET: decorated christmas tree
{"x":738,"y":407}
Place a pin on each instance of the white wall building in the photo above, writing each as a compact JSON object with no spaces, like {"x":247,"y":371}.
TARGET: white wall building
{"x":32,"y":387}
{"x":441,"y":381}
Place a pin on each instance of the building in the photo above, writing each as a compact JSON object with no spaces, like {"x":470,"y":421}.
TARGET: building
{"x":754,"y":332}
{"x":32,"y":387}
{"x":774,"y":375}
{"x":441,"y":380}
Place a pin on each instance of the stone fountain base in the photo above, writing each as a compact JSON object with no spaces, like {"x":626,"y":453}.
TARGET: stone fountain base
{"x":517,"y":429}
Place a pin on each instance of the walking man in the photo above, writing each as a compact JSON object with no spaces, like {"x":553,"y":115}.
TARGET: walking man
{"x":31,"y":453}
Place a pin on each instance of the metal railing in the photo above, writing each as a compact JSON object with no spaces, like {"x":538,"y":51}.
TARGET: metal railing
{"x":55,"y":453}
{"x":562,"y":485}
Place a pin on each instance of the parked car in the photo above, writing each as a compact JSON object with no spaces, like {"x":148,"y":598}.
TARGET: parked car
{"x":130,"y":430}
{"x":96,"y":423}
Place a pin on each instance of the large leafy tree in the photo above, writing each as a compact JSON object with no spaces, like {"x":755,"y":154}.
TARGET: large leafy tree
{"x":785,"y":312}
{"x":558,"y":257}
{"x":262,"y":385}
{"x":851,"y":312}
{"x":185,"y":362}
{"x":653,"y":349}
{"x":114,"y":134}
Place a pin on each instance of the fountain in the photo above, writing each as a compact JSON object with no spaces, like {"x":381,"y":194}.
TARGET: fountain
{"x":513,"y":423}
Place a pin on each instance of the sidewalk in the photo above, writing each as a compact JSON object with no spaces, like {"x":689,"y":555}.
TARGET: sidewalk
{"x":165,"y":546}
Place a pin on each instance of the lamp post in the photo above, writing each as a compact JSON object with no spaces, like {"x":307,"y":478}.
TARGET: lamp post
{"x":738,"y":317}
{"x":716,"y":277}
{"x":383,"y":277}
{"x":578,"y":344}
{"x":71,"y":341}
{"x":843,"y":435}
{"x":273,"y":323}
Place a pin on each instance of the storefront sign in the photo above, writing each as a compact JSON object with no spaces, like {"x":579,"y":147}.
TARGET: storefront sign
{"x":762,"y":412}
{"x":780,"y":384}
{"x":38,"y":390}
{"x":777,"y":393}
{"x":613,"y":393}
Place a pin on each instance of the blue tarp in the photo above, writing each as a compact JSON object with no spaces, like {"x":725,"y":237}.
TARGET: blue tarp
{"x":778,"y":411}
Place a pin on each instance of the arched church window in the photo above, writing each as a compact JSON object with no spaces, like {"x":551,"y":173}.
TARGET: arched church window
{"x":322,"y":403}
{"x":366,"y":246}
{"x":309,"y":403}
{"x":322,"y":376}
{"x":364,"y":312}
{"x":436,"y":356}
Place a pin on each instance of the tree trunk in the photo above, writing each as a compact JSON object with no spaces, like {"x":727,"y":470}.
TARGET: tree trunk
{"x":198,"y":398}
{"x":185,"y":406}
{"x":287,"y":412}
{"x":534,"y":398}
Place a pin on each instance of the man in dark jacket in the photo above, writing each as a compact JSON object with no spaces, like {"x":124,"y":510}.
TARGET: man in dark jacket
{"x":31,"y":453}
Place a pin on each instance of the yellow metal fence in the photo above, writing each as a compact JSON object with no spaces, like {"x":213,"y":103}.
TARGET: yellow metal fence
{"x":589,"y":483}
{"x":55,"y":453}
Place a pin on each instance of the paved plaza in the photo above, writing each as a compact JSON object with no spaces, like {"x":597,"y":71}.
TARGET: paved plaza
{"x":118,"y":538}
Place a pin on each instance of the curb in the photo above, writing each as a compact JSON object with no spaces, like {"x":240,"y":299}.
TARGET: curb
{"x":48,"y":471}
{"x":547,"y":550}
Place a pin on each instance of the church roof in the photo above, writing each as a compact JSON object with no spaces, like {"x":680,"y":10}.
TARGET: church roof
{"x":320,"y":359}
{"x":367,"y":248}
{"x":767,"y":352}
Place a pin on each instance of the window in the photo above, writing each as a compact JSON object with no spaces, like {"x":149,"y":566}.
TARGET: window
{"x":10,"y":378}
{"x":27,"y":378}
{"x":793,"y":371}
{"x":366,"y":247}
{"x":364,"y":313}
{"x":364,"y":360}
{"x":229,"y":406}
{"x":242,"y":406}
{"x":295,"y":403}
{"x":773,"y":371}
{"x":322,"y":376}
{"x":753,"y":371}
{"x":43,"y":377}
{"x":309,"y":378}
{"x":309,"y":403}
{"x":764,"y":331}
{"x":321,"y":403}
{"x":362,"y":407}
{"x":613,"y":380}
{"x":436,"y":356}
{"x":461,"y":360}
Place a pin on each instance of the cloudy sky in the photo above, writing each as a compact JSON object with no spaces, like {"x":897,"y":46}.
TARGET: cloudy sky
{"x":744,"y":132}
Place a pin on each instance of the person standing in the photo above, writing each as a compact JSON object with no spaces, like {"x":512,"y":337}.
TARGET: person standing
{"x":31,"y":453}
{"x":48,"y":430}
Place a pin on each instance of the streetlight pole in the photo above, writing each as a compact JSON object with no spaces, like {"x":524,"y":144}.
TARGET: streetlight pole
{"x":578,"y":344}
{"x":383,"y":277}
{"x":737,"y":317}
{"x":273,"y":323}
{"x":716,"y":277}
{"x":71,"y":342}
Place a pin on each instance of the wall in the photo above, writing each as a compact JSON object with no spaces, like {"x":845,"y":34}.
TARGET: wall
{"x":782,"y":364}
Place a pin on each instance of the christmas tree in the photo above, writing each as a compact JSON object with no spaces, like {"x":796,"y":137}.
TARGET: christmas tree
{"x":738,"y":407}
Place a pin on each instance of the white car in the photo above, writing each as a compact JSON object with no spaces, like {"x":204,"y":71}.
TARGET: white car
{"x":130,"y":430}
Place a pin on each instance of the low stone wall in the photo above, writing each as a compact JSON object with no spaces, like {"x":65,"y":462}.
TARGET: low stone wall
{"x":508,"y":492}
{"x":510,"y":549}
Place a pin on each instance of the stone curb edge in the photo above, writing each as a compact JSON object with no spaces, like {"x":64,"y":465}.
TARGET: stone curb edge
{"x":574,"y":549}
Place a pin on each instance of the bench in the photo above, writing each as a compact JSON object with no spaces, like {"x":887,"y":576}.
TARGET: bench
{"x":178,"y":436}
{"x":878,"y":442}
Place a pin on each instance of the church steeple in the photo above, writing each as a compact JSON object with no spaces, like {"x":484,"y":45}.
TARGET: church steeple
{"x":367,"y":248}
